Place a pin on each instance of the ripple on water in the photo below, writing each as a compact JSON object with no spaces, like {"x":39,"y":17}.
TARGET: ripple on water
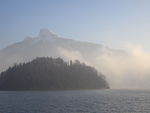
{"x":94,"y":101}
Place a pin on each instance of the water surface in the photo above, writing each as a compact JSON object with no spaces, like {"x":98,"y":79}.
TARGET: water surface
{"x":89,"y":101}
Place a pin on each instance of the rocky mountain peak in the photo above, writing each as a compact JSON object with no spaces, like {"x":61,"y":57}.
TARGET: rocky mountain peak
{"x":45,"y":33}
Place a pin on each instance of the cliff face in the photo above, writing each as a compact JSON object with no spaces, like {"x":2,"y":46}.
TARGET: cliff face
{"x":51,"y":74}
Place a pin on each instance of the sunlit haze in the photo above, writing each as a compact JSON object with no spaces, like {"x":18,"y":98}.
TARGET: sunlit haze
{"x":120,"y":27}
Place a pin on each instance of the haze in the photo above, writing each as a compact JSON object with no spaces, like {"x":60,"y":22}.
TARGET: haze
{"x":120,"y":25}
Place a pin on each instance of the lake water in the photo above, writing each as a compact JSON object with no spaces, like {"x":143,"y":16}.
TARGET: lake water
{"x":92,"y":101}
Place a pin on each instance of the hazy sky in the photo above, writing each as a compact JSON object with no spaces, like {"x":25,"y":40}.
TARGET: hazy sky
{"x":115,"y":23}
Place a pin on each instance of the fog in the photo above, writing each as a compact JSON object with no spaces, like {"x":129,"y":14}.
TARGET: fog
{"x":123,"y":71}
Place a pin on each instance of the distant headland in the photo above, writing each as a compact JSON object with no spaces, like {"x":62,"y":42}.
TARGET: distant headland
{"x":45,"y":73}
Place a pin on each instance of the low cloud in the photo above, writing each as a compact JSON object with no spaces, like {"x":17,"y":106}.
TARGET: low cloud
{"x":124,"y":70}
{"x":72,"y":55}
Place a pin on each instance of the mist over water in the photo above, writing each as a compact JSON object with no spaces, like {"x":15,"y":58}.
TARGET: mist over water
{"x":130,"y":70}
{"x":75,"y":56}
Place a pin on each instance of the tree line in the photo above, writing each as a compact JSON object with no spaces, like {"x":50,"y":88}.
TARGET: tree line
{"x":45,"y":73}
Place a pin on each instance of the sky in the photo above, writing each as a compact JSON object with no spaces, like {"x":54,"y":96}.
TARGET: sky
{"x":114,"y":23}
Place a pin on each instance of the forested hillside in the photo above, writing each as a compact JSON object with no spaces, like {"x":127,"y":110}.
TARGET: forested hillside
{"x":51,"y":74}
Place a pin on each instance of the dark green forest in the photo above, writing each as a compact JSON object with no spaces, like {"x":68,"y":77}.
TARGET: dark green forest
{"x":51,"y":74}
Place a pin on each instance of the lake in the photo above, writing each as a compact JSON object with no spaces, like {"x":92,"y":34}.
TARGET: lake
{"x":86,"y":101}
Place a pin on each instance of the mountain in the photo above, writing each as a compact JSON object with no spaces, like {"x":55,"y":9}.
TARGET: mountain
{"x":48,"y":44}
{"x":51,"y":74}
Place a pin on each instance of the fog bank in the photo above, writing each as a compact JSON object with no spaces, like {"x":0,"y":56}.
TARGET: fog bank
{"x":129,"y":71}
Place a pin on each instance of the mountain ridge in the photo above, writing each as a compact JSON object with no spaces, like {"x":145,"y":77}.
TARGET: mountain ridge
{"x":50,"y":44}
{"x":54,"y":46}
